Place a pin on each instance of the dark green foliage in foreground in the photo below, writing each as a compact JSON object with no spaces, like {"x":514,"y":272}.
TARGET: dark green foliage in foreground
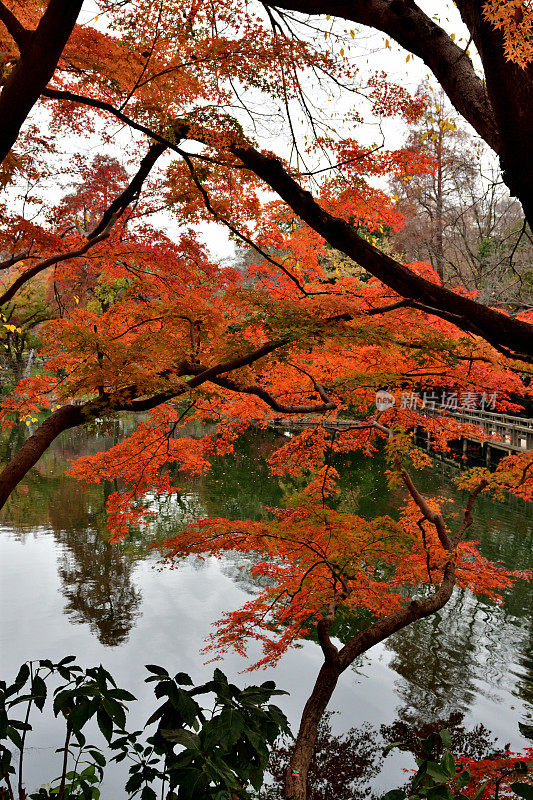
{"x":220,"y":754}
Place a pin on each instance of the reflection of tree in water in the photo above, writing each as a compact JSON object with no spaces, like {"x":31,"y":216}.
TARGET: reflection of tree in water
{"x":437,"y":657}
{"x":507,"y":536}
{"x":442,"y":658}
{"x":342,"y":766}
{"x":240,"y":486}
{"x":346,"y":766}
{"x":524,"y":676}
{"x":96,"y":580}
{"x":96,"y":576}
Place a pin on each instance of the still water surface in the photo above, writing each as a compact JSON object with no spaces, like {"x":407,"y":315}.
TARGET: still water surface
{"x":64,"y":589}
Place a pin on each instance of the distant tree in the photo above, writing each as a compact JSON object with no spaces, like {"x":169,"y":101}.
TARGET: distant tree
{"x":460,"y":217}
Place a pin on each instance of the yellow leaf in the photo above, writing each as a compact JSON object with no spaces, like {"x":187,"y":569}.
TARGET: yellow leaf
{"x":352,"y":34}
{"x":342,"y":51}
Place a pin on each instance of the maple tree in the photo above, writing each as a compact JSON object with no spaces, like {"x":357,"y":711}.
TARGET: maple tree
{"x":146,"y":322}
{"x":320,"y":563}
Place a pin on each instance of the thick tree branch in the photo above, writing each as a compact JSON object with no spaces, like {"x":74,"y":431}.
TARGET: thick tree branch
{"x":72,"y":415}
{"x":18,"y":32}
{"x":280,"y":408}
{"x":435,"y":519}
{"x":37,"y":64}
{"x":510,"y":336}
{"x":415,"y":610}
{"x":468,"y":519}
{"x":61,"y":420}
{"x":100,"y":232}
{"x":510,"y":89}
{"x":14,"y":259}
{"x":331,"y":653}
{"x":131,"y":192}
{"x":497,"y":328}
{"x":49,"y":262}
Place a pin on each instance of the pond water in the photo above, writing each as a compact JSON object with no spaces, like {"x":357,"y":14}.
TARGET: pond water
{"x":64,"y":589}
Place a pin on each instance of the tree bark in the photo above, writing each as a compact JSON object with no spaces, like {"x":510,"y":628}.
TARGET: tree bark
{"x":500,"y":108}
{"x":38,"y":60}
{"x":333,"y":667}
{"x":33,"y":448}
{"x":510,"y":89}
{"x":296,"y":777}
{"x":510,"y":336}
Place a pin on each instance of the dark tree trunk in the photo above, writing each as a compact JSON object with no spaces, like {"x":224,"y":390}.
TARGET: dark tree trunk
{"x":33,"y":448}
{"x":296,"y":777}
{"x":40,"y":53}
{"x":337,"y":661}
{"x":501,"y":330}
{"x":510,"y":89}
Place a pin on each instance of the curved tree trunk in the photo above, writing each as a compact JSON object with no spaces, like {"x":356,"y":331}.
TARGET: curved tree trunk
{"x":334,"y":666}
{"x":40,"y":52}
{"x":296,"y":777}
{"x":33,"y":448}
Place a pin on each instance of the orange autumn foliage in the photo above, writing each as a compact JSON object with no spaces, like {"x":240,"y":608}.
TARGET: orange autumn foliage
{"x":309,"y":557}
{"x":515,"y":19}
{"x":147,"y":321}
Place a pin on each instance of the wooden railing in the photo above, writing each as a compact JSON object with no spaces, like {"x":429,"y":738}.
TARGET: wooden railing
{"x":505,"y":432}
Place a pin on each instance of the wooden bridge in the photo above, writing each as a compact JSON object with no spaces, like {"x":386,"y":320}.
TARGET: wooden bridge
{"x":505,"y":432}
